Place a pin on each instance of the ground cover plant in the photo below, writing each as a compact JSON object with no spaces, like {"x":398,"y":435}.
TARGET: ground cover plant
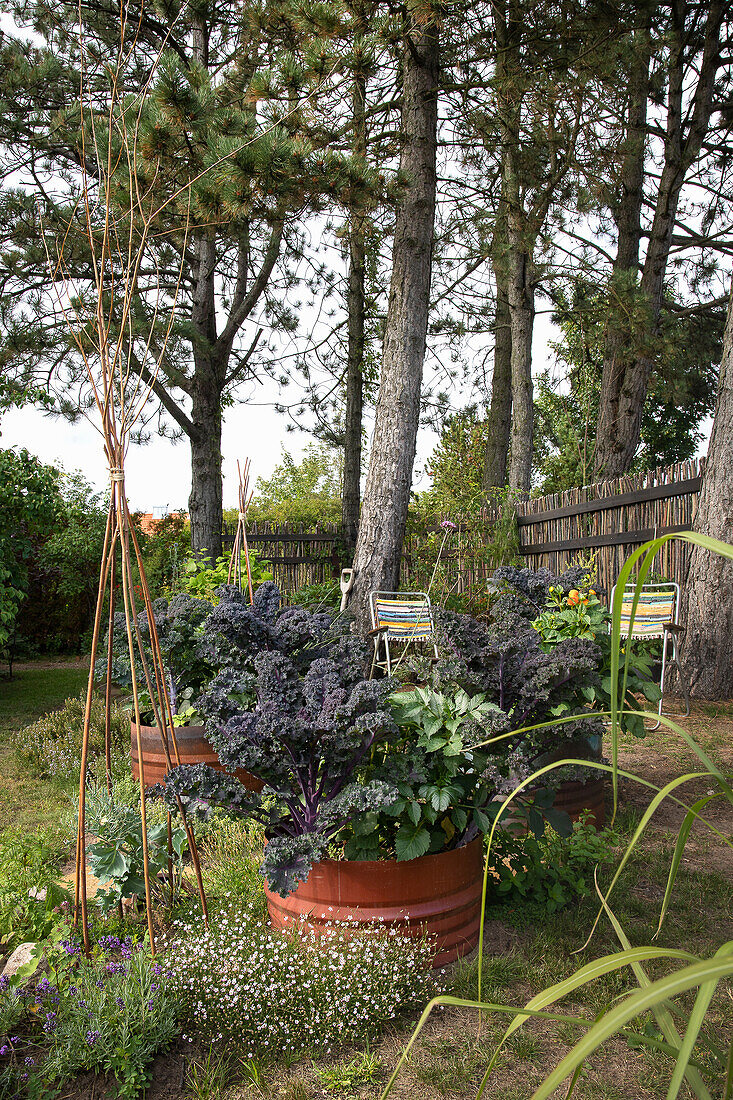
{"x":276,"y":997}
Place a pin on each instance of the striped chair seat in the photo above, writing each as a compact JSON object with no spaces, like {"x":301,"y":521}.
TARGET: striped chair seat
{"x":655,"y":608}
{"x":408,"y":617}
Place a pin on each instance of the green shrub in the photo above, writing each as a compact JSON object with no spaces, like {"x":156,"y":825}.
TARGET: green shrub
{"x":231,"y":854}
{"x":52,"y":745}
{"x":200,"y":578}
{"x":275,"y":996}
{"x":551,"y":871}
{"x":30,"y":894}
{"x":319,"y":597}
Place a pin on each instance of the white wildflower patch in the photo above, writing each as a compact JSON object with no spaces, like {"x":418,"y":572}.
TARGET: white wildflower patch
{"x":277,"y":995}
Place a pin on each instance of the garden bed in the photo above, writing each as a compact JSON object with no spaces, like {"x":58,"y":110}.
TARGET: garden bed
{"x":526,"y":948}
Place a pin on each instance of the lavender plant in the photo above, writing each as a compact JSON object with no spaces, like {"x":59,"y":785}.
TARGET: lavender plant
{"x":110,"y":1013}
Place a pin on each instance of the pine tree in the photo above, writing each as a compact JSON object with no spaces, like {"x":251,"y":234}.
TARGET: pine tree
{"x":238,"y":157}
{"x":687,"y":43}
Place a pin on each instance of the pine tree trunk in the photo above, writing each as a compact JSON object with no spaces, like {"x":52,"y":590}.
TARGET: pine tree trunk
{"x":618,"y":350}
{"x":707,"y":599}
{"x":355,"y":305}
{"x":620,"y":428}
{"x":387,"y":490}
{"x":499,"y":421}
{"x":351,"y":493}
{"x":521,"y":311}
{"x":205,"y":501}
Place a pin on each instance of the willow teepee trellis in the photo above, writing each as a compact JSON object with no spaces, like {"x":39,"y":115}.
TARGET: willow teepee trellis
{"x":114,"y":215}
{"x":240,"y":546}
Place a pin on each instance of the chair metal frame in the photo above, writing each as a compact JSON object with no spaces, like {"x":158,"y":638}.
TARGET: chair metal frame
{"x":667,"y":630}
{"x":382,"y":633}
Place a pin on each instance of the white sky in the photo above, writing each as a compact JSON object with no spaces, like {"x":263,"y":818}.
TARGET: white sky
{"x":158,"y":473}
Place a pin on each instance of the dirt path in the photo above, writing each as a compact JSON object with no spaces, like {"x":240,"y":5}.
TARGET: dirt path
{"x":662,"y":757}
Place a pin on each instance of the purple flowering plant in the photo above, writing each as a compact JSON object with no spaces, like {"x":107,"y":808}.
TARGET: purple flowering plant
{"x":110,"y":1012}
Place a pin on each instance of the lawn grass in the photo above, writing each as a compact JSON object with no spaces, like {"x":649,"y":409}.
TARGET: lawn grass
{"x":26,"y":801}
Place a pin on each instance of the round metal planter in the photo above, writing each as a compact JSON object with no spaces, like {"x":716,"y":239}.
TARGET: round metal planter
{"x":435,"y":894}
{"x":193,"y":748}
{"x":574,"y":798}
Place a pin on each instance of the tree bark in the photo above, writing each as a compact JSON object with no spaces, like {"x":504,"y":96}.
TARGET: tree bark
{"x":205,"y":501}
{"x":521,"y":311}
{"x":355,"y":305}
{"x":707,"y":599}
{"x":387,"y":490}
{"x":499,"y":420}
{"x":619,"y":425}
{"x":627,"y":215}
{"x":520,"y":238}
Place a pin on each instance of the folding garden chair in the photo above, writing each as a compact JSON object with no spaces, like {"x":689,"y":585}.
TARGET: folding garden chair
{"x":657,"y":616}
{"x":399,"y":618}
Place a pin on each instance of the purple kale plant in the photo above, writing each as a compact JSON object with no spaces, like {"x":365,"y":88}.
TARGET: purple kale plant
{"x":235,"y":633}
{"x":307,"y":735}
{"x":180,"y":626}
{"x":505,"y":661}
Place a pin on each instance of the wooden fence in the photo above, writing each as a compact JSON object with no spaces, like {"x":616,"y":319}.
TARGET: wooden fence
{"x":295,"y":555}
{"x":604,"y":522}
{"x":610,"y":519}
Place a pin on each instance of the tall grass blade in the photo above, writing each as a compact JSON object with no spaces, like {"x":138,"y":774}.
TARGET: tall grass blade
{"x":712,"y":971}
{"x":679,"y":848}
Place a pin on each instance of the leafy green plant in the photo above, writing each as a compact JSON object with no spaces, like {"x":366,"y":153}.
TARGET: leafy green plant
{"x":444,"y":789}
{"x":30,"y":892}
{"x":578,"y":613}
{"x":703,"y":1064}
{"x":550,"y":870}
{"x":364,"y":1069}
{"x":573,"y":614}
{"x":116,"y":856}
{"x":200,"y":578}
{"x":319,"y":597}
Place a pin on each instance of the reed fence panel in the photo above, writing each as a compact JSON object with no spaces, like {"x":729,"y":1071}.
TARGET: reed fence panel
{"x":608,"y":520}
{"x":295,"y":555}
{"x":605,"y":522}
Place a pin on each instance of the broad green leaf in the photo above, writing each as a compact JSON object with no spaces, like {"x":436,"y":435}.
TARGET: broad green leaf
{"x":411,"y":841}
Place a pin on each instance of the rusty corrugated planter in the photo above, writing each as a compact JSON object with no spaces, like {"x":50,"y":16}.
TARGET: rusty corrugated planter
{"x":193,"y":748}
{"x":573,"y":798}
{"x":438,"y":894}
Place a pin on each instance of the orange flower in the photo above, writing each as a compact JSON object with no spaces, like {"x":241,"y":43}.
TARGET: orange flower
{"x":573,"y":597}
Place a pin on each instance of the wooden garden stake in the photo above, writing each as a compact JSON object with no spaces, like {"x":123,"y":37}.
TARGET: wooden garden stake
{"x":241,"y":545}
